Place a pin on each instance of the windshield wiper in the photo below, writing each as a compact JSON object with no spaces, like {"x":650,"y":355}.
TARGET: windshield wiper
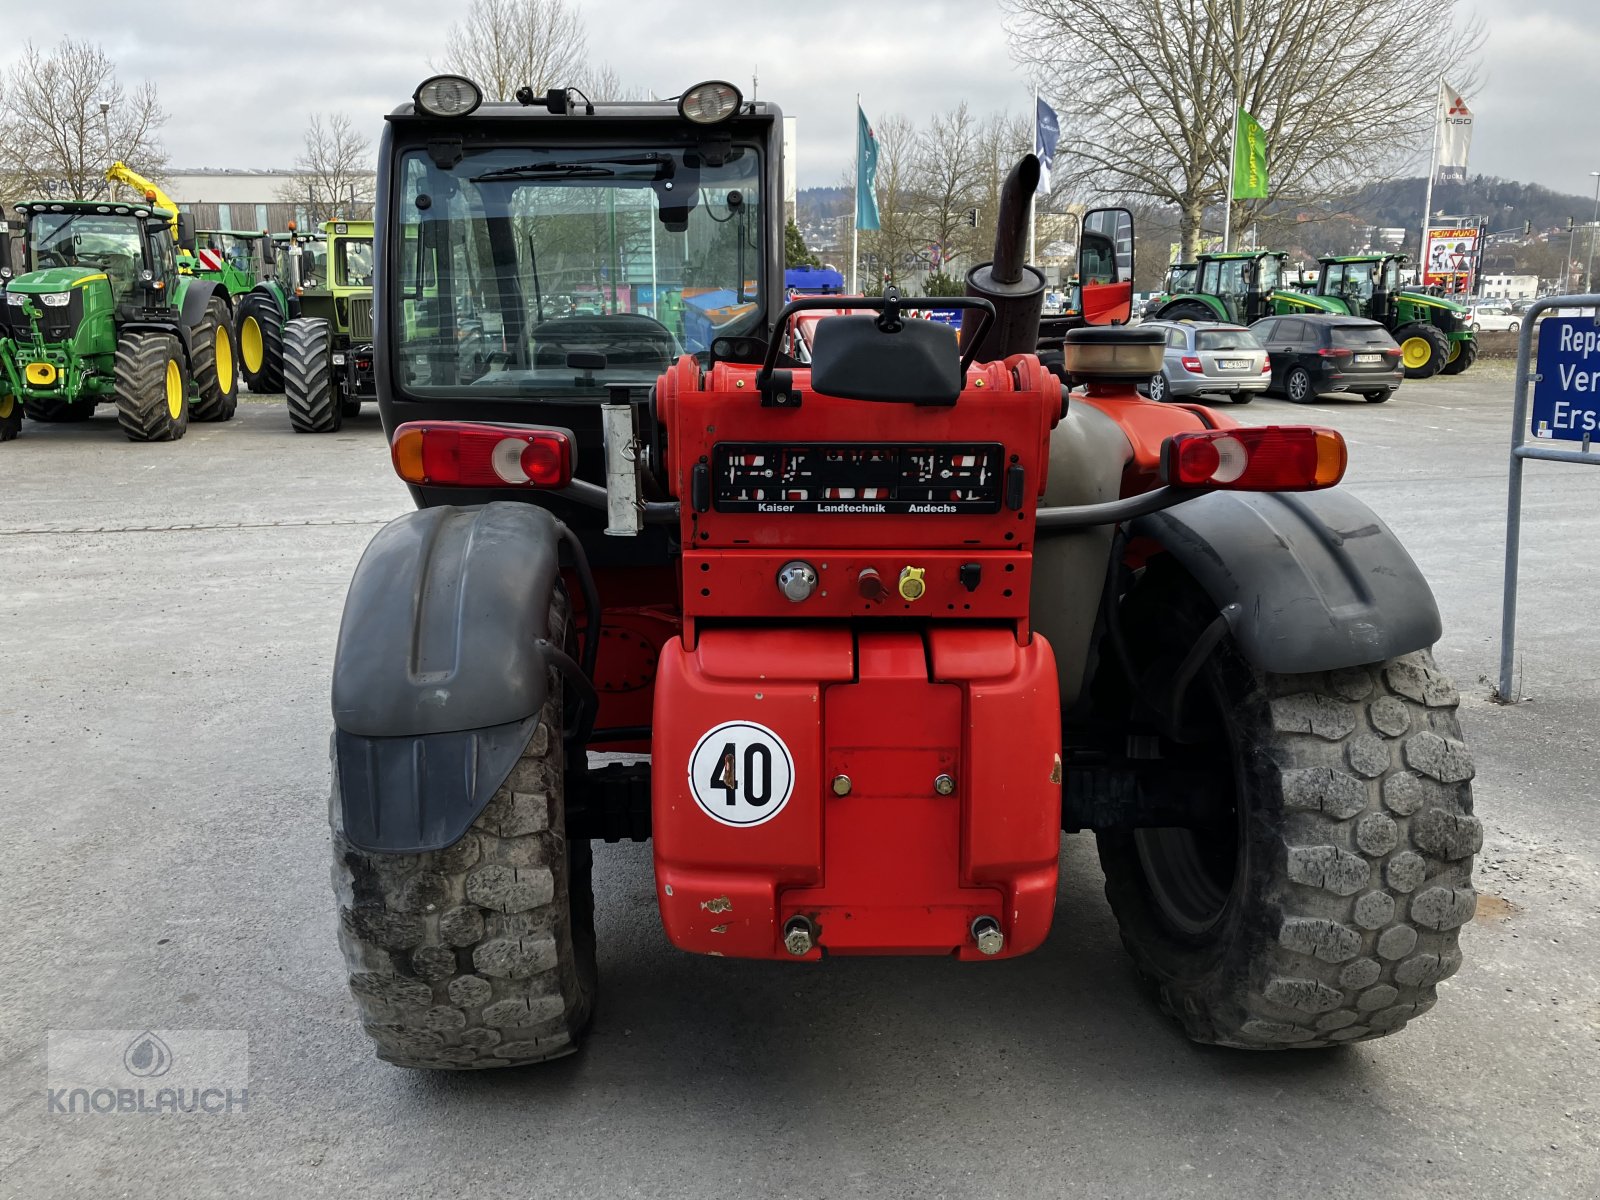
{"x":589,"y":169}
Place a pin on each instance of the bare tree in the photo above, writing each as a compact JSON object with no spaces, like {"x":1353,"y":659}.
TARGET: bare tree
{"x":1001,"y":141}
{"x":949,"y":172}
{"x":503,"y":45}
{"x":900,"y":233}
{"x":334,"y":174}
{"x":1146,"y":90}
{"x":65,"y":118}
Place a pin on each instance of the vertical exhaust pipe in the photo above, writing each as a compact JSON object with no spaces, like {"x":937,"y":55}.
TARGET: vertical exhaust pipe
{"x":1015,"y":288}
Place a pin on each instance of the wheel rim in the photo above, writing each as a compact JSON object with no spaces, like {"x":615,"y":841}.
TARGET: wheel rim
{"x":251,"y":347}
{"x":1298,"y":386}
{"x":8,"y":405}
{"x":1516,"y":327}
{"x":1416,"y":351}
{"x":1190,"y":874}
{"x":224,"y":360}
{"x":1158,"y":388}
{"x":1455,"y":352}
{"x":174,"y":389}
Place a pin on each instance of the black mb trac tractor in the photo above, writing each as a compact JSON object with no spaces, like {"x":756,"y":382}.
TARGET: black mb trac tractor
{"x":878,"y":621}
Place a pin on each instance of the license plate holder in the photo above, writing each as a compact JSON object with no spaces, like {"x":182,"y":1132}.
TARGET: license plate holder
{"x":1233,"y":364}
{"x":1368,"y":360}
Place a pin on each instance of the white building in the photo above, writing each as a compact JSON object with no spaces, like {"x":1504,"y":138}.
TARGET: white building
{"x":1508,"y":287}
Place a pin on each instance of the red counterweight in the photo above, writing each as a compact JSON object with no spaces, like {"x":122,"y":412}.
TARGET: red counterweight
{"x":856,"y":744}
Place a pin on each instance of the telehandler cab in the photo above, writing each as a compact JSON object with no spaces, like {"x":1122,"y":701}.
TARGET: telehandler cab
{"x":886,"y":623}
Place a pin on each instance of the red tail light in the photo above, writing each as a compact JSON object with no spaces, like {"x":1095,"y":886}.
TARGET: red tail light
{"x":1266,"y":366}
{"x":1394,"y":352}
{"x":1192,"y":365}
{"x":1335,"y":352}
{"x":1263,"y":458}
{"x":465,"y":454}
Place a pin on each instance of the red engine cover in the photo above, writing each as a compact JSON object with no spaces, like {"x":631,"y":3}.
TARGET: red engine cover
{"x":755,"y":729}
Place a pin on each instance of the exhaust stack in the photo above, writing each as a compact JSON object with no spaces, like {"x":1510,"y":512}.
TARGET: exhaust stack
{"x":1015,"y":288}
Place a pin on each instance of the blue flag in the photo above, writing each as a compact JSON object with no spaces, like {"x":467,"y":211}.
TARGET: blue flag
{"x":1046,"y":134}
{"x":866,"y":174}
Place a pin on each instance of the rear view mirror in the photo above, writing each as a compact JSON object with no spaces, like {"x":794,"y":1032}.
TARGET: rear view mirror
{"x":1105,"y":251}
{"x":856,"y":358}
{"x":186,"y":231}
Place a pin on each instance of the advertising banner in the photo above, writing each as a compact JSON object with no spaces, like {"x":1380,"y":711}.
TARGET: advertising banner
{"x":1451,"y":261}
{"x":1455,"y":136}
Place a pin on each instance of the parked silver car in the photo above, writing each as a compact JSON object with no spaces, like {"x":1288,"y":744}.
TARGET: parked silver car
{"x":1212,"y":358}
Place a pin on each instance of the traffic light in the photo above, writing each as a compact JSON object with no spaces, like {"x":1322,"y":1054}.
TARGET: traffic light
{"x":972,"y":217}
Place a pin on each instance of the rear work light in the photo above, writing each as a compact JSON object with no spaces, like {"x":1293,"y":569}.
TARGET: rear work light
{"x":465,"y":454}
{"x":1265,"y":458}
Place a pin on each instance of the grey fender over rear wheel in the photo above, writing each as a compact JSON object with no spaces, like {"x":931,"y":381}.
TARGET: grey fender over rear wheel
{"x":308,"y":377}
{"x":481,"y":954}
{"x":1326,"y":906}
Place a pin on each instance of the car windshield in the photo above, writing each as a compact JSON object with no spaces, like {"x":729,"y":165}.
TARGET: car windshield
{"x":544,"y":271}
{"x":1226,"y":339}
{"x":110,"y":243}
{"x":1362,"y":336}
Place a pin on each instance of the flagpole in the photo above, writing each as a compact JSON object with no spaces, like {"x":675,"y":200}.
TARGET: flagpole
{"x":855,"y":216}
{"x":1427,"y":202}
{"x":1033,"y":207}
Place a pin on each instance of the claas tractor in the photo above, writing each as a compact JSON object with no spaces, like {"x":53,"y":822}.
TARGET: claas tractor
{"x":869,"y":633}
{"x":100,"y":314}
{"x":1433,"y":333}
{"x":308,"y":331}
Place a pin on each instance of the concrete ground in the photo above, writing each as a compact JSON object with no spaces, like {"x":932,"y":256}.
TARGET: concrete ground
{"x":167,"y":619}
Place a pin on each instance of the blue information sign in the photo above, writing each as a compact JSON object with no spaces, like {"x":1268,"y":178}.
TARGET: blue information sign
{"x":1566,"y":398}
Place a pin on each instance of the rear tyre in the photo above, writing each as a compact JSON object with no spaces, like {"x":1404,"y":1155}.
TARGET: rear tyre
{"x":1379,"y":397}
{"x":1297,"y":386}
{"x":1327,"y":906}
{"x":1159,"y":390}
{"x":1514,"y":327}
{"x":483,"y":954}
{"x":10,"y":418}
{"x":308,"y":376}
{"x":1464,"y":358}
{"x":1424,"y":349}
{"x":58,"y":411}
{"x":216,"y":364}
{"x":351,"y":407}
{"x":1187,"y":310}
{"x":152,"y":387}
{"x":260,"y":341}
{"x":1243,"y":397}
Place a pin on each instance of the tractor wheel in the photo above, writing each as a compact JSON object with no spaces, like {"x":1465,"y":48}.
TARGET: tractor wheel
{"x":1424,"y":349}
{"x":260,"y":341}
{"x":10,"y":418}
{"x":1324,"y":905}
{"x":152,"y":387}
{"x":1187,"y":310}
{"x":57,"y":412}
{"x":483,"y":954}
{"x":308,"y":377}
{"x":216,"y":364}
{"x":1462,"y":356}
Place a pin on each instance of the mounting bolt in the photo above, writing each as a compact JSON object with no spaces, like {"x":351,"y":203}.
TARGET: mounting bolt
{"x":797,"y":936}
{"x":986,"y":932}
{"x":841,"y":785}
{"x":944,"y":785}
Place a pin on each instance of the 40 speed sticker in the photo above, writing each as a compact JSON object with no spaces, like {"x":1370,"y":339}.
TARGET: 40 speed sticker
{"x":741,"y":774}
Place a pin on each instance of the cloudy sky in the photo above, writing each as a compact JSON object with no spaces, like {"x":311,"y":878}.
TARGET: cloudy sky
{"x":1534,"y":109}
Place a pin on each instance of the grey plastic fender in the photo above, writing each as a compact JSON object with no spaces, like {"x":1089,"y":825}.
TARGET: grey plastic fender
{"x":1321,"y":582}
{"x":441,"y":669}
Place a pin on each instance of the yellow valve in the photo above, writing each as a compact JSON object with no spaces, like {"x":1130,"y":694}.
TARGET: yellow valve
{"x":911,"y":583}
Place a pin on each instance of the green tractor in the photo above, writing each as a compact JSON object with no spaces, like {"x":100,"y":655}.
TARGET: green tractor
{"x":1433,"y":334}
{"x":234,"y":258}
{"x":99,"y":314}
{"x":1241,"y":287}
{"x":308,"y":331}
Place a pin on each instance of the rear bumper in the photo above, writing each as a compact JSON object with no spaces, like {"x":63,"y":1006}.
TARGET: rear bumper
{"x":897,"y":863}
{"x":1195,"y":385}
{"x":1362,"y":381}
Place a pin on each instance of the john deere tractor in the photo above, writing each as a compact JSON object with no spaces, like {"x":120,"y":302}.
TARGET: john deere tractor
{"x":308,"y":331}
{"x":100,"y":314}
{"x":1241,"y":287}
{"x":1433,"y":333}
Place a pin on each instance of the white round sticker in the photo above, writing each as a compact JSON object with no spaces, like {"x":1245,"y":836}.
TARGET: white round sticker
{"x":741,"y":773}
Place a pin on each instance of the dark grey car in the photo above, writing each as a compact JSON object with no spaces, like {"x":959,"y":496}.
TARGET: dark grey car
{"x":1209,"y":357}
